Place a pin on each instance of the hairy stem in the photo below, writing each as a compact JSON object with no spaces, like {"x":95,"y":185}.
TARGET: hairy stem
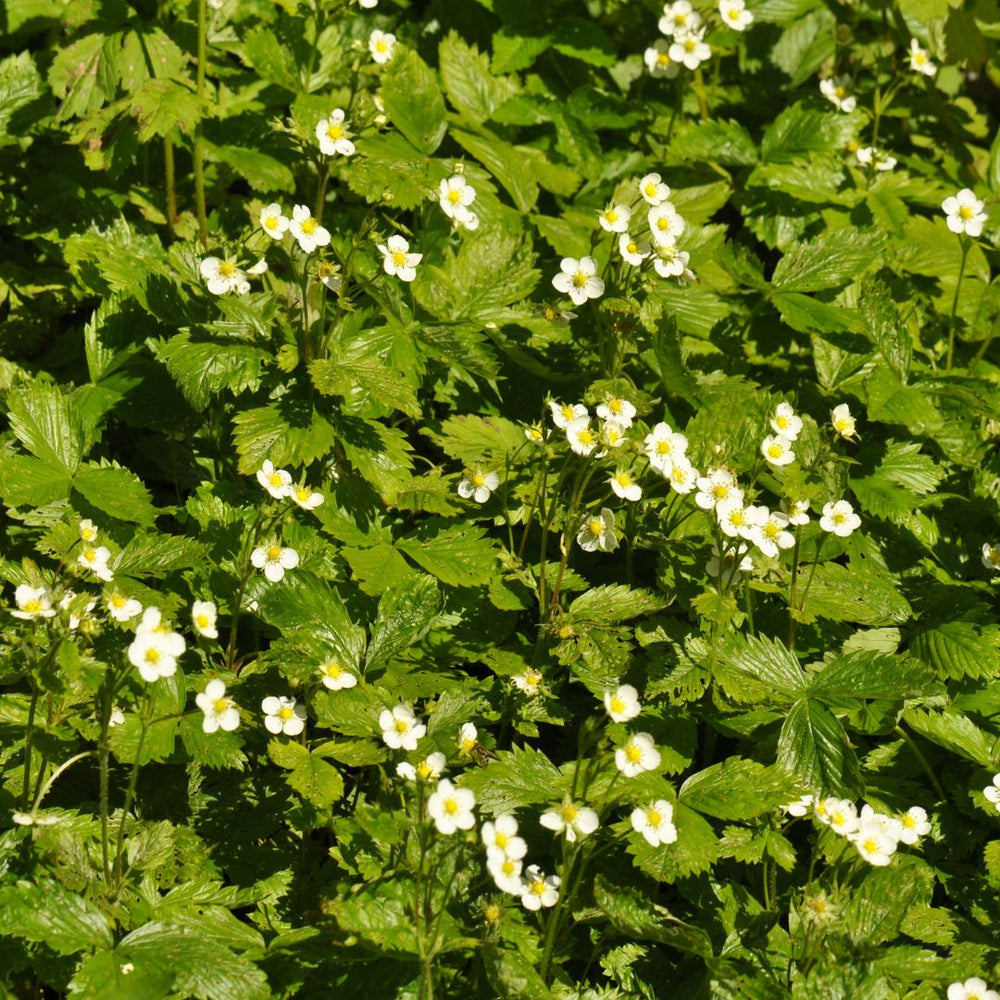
{"x":199,"y":163}
{"x":954,"y":305}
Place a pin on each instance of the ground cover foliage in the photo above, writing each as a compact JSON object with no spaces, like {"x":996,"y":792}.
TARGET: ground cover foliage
{"x":500,"y":499}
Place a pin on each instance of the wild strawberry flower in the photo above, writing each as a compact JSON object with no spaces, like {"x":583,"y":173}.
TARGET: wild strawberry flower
{"x":689,"y":49}
{"x":964,"y":213}
{"x":455,"y":195}
{"x":274,"y":559}
{"x":307,"y":230}
{"x":655,"y":823}
{"x":683,"y":476}
{"x":839,"y":518}
{"x":651,"y":187}
{"x":155,"y":649}
{"x":381,"y":45}
{"x":478,"y":485}
{"x":581,"y":436}
{"x":397,"y":261}
{"x":991,"y":556}
{"x":842,"y":421}
{"x":400,"y":728}
{"x":874,"y":843}
{"x":74,"y":620}
{"x":878,"y":159}
{"x":563,"y":414}
{"x":736,"y":520}
{"x":735,"y":15}
{"x":529,"y":683}
{"x":368,"y":4}
{"x":678,"y":17}
{"x":715,"y":487}
{"x":95,"y":558}
{"x":506,"y":872}
{"x":799,"y":807}
{"x":283,"y":715}
{"x":88,"y":530}
{"x":501,"y":835}
{"x":785,"y":422}
{"x":992,"y":791}
{"x":203,"y":617}
{"x":431,"y":767}
{"x":273,"y":221}
{"x":624,"y":486}
{"x":634,"y":251}
{"x":468,"y":737}
{"x":534,"y":433}
{"x":623,"y":704}
{"x":334,"y":137}
{"x":259,"y":268}
{"x":669,"y":262}
{"x":658,"y":61}
{"x":306,"y":497}
{"x":920,"y":62}
{"x":835,"y":91}
{"x":797,"y":511}
{"x":329,"y":275}
{"x":730,"y":564}
{"x":220,"y":712}
{"x":841,"y":815}
{"x":637,"y":755}
{"x":972,"y":989}
{"x":451,"y":808}
{"x":665,"y":224}
{"x":615,"y":218}
{"x":33,"y":602}
{"x":777,"y":450}
{"x":334,"y":676}
{"x":122,"y":608}
{"x":913,"y":825}
{"x":540,"y":890}
{"x":578,"y":279}
{"x":664,"y":446}
{"x":773,"y":534}
{"x":617,"y":409}
{"x":223,"y":276}
{"x":570,"y":819}
{"x":597,"y":533}
{"x":277,"y":482}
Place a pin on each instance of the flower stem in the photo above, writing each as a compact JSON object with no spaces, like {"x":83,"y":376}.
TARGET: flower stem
{"x":199,"y":165}
{"x":29,"y":732}
{"x":954,"y":305}
{"x":132,"y":784}
{"x":171,"y":182}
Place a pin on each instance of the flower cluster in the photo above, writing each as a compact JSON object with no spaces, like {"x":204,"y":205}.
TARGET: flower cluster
{"x":992,"y":791}
{"x":278,"y":483}
{"x":156,"y":648}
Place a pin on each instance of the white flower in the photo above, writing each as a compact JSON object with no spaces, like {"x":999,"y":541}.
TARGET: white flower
{"x":273,"y":221}
{"x":715,"y":487}
{"x":773,"y":534}
{"x":598,"y":532}
{"x":467,"y":220}
{"x":307,"y":230}
{"x":877,"y":158}
{"x":432,"y":766}
{"x":306,"y":497}
{"x":368,"y":4}
{"x":397,"y":259}
{"x":329,"y":275}
{"x":581,"y":436}
{"x":777,"y":449}
{"x":501,"y":835}
{"x":683,"y":475}
{"x":203,"y":616}
{"x":277,"y":482}
{"x":506,"y":871}
{"x":843,"y":422}
{"x":623,"y":704}
{"x":88,"y":530}
{"x":283,"y":715}
{"x":735,"y":15}
{"x":730,"y":564}
{"x":655,"y":823}
{"x":689,"y":49}
{"x":478,"y":485}
{"x":613,"y":434}
{"x":95,"y":558}
{"x":578,"y":279}
{"x":670,"y":262}
{"x":451,"y":807}
{"x":220,"y":711}
{"x":223,"y":276}
{"x":965,"y":213}
{"x":651,"y":187}
{"x":633,"y":251}
{"x":797,"y":511}
{"x":624,"y":486}
{"x":992,"y":792}
{"x":913,"y":825}
{"x":615,"y":218}
{"x":785,"y":422}
{"x":400,"y":728}
{"x":735,"y":520}
{"x":529,"y":683}
{"x":259,"y":268}
{"x":677,"y":18}
{"x":563,"y":414}
{"x":570,"y":819}
{"x":273,"y":559}
{"x":333,"y":138}
{"x":665,"y":224}
{"x":155,"y":649}
{"x":663,"y":447}
{"x":74,"y":620}
{"x":921,"y":62}
{"x":835,"y":91}
{"x":639,"y":754}
{"x":658,"y":61}
{"x":839,"y":517}
{"x":123,"y":608}
{"x":619,"y":410}
{"x":892,"y":826}
{"x":874,"y":843}
{"x":799,"y":807}
{"x":33,"y":602}
{"x":380,"y":45}
{"x":972,"y":989}
{"x":468,"y":737}
{"x":455,"y":195}
{"x":841,"y":815}
{"x":535,"y":434}
{"x":540,"y":890}
{"x":991,"y":556}
{"x":335,"y":677}
{"x":117,"y":717}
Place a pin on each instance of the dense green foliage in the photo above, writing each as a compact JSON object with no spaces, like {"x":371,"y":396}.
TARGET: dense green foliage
{"x":456,"y":551}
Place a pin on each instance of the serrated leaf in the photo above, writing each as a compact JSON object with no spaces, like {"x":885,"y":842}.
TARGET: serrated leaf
{"x":289,"y":432}
{"x":64,"y":921}
{"x":868,"y":674}
{"x":755,"y":668}
{"x":797,"y":132}
{"x":614,"y":603}
{"x":45,"y":422}
{"x":955,"y":732}
{"x":29,"y":482}
{"x":695,"y":850}
{"x":891,"y":402}
{"x":413,"y":100}
{"x":739,"y":789}
{"x":815,"y":748}
{"x":115,"y":491}
{"x":405,"y":613}
{"x":473,"y":440}
{"x":156,"y":555}
{"x":317,"y":781}
{"x":20,"y":84}
{"x":885,"y":327}
{"x":959,"y":649}
{"x":106,"y":976}
{"x":725,"y":142}
{"x":830,"y":260}
{"x":201,"y":368}
{"x":458,"y":555}
{"x":470,"y":85}
{"x":519,"y":777}
{"x":504,"y":162}
{"x":343,"y":375}
{"x":161,"y":107}
{"x":853,"y":594}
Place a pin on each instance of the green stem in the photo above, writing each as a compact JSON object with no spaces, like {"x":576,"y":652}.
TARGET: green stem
{"x":954,"y":305}
{"x":792,"y":622}
{"x":103,"y":755}
{"x":29,"y":732}
{"x":915,"y":750}
{"x":132,"y":785}
{"x":44,"y":789}
{"x":171,"y":182}
{"x":251,"y":537}
{"x":199,"y":164}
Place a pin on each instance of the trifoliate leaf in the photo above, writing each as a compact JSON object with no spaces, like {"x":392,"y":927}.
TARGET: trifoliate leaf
{"x":959,"y":649}
{"x":458,"y":555}
{"x":202,"y":368}
{"x":405,"y":613}
{"x":115,"y":491}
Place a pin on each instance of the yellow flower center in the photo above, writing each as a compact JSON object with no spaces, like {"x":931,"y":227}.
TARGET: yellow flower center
{"x":467,"y":745}
{"x":303,"y":493}
{"x":88,"y":534}
{"x":227,"y":269}
{"x":402,"y":725}
{"x":285,"y":713}
{"x":332,"y":669}
{"x":651,"y":187}
{"x":152,"y":655}
{"x":501,"y":840}
{"x":662,"y":223}
{"x":478,"y":479}
{"x":118,"y":601}
{"x":841,"y":93}
{"x":380,"y":46}
{"x":775,"y":451}
{"x":837,"y":819}
{"x":838,"y":517}
{"x":274,"y":479}
{"x":537,"y":887}
{"x":568,"y":813}
{"x":734,"y":14}
{"x":310,"y":226}
{"x":274,"y":552}
{"x":920,"y":58}
{"x":201,"y":621}
{"x":772,"y":530}
{"x":663,"y":447}
{"x":633,"y":754}
{"x":566,"y":411}
{"x":334,"y":131}
{"x":633,"y":247}
{"x":653,"y":818}
{"x":595,"y":526}
{"x":663,"y":60}
{"x":736,"y":518}
{"x":615,"y":406}
{"x":33,"y":606}
{"x":623,"y":479}
{"x":720,"y":492}
{"x":965,"y":212}
{"x":90,"y":554}
{"x":690,"y":44}
{"x":617,"y":706}
{"x":454,"y":196}
{"x":271,"y":222}
{"x":220,"y":705}
{"x":909,"y":822}
{"x":509,"y":867}
{"x":580,"y":279}
{"x":870,"y":845}
{"x":611,"y":215}
{"x":424,"y":769}
{"x":680,"y":20}
{"x":782,"y":422}
{"x":450,"y":807}
{"x":585,"y":437}
{"x":398,"y":258}
{"x":612,"y":435}
{"x":842,"y":424}
{"x":679,"y":474}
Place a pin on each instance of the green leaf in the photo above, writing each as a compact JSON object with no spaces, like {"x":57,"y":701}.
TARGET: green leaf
{"x":868,"y":674}
{"x":379,"y":915}
{"x":959,"y":649}
{"x":815,"y":748}
{"x":380,"y":454}
{"x":162,"y":107}
{"x":509,"y":166}
{"x":854,"y":594}
{"x":513,"y":52}
{"x":263,"y":172}
{"x":831,"y":260}
{"x":20,"y":84}
{"x":388,"y":162}
{"x":614,"y":603}
{"x":271,"y":59}
{"x":216,"y":750}
{"x":373,"y":376}
{"x":891,"y":402}
{"x":458,"y":555}
{"x":30,"y":482}
{"x":695,"y":850}
{"x":957,"y":733}
{"x":520,"y":777}
{"x":156,"y":555}
{"x":316,"y":780}
{"x":405,"y":613}
{"x":725,"y":142}
{"x":584,"y":40}
{"x":876,"y":908}
{"x":797,"y":132}
{"x":472,"y":439}
{"x":633,"y":915}
{"x":64,"y":921}
{"x":413,"y":101}
{"x":289,"y":432}
{"x":885,"y":327}
{"x":45,"y":422}
{"x":115,"y":491}
{"x":472,"y":89}
{"x":808,"y":315}
{"x":84,"y":75}
{"x":202,"y":368}
{"x":739,"y":789}
{"x":106,"y":976}
{"x":755,"y":668}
